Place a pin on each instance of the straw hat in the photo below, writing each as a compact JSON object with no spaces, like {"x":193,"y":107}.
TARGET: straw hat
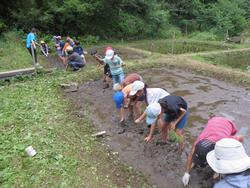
{"x":228,"y":157}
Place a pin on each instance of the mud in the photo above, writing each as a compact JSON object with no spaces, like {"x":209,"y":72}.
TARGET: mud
{"x":161,"y":163}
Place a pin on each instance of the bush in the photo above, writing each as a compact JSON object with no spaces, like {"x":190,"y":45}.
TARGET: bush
{"x":131,"y":26}
{"x":169,"y":32}
{"x":90,"y":40}
{"x":208,"y":36}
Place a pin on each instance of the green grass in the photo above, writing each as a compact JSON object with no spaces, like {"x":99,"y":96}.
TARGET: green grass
{"x":35,"y":113}
{"x":13,"y":54}
{"x":235,"y":60}
{"x":182,"y":45}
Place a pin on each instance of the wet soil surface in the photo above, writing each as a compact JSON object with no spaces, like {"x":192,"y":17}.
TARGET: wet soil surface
{"x":160,"y":163}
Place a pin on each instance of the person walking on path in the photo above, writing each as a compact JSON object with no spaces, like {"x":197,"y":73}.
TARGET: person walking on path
{"x":31,"y":44}
{"x":216,"y":129}
{"x":230,"y":159}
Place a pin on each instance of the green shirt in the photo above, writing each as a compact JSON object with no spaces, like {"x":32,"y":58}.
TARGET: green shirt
{"x":115,"y":65}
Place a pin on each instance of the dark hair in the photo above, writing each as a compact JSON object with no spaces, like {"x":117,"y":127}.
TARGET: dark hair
{"x":163,"y":104}
{"x":77,"y":42}
{"x":33,"y":30}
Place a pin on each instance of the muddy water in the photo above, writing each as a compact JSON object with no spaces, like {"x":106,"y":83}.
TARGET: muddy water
{"x":161,"y":164}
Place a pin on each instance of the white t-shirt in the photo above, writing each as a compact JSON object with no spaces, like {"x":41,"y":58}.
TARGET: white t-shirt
{"x":154,"y":94}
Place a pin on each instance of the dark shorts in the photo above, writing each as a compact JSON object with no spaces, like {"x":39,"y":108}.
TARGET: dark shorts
{"x":182,"y":122}
{"x":107,"y":71}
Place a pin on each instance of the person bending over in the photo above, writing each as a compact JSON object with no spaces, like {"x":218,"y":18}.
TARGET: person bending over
{"x":75,"y":61}
{"x":216,"y":129}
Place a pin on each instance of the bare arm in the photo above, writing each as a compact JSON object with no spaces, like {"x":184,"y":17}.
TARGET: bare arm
{"x":100,"y":60}
{"x":150,"y":136}
{"x":141,"y":118}
{"x":121,"y":114}
{"x":183,"y":112}
{"x":189,"y":163}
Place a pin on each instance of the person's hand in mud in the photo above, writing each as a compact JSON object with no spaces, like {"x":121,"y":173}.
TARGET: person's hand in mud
{"x":141,"y":118}
{"x":148,"y":139}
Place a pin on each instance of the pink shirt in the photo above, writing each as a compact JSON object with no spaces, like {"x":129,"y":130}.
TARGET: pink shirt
{"x":218,"y":128}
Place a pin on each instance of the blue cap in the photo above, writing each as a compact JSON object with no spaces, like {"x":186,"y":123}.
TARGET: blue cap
{"x":152,"y":111}
{"x":118,"y":98}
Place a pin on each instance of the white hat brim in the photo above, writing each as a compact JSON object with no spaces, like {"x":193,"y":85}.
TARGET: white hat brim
{"x":132,"y":92}
{"x":227,"y":166}
{"x":108,"y":57}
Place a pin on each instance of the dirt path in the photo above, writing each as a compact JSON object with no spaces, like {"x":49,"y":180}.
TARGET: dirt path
{"x":160,"y":163}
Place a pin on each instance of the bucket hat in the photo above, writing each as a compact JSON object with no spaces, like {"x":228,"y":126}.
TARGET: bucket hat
{"x":228,"y":157}
{"x":136,"y":86}
{"x":152,"y":111}
{"x":109,"y":54}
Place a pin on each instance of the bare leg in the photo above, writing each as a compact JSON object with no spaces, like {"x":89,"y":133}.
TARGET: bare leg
{"x":121,"y":115}
{"x":131,"y":110}
{"x":179,"y":132}
{"x":137,"y":109}
{"x":164,"y":127}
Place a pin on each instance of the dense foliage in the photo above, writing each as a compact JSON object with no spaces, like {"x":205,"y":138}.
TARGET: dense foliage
{"x":128,"y":19}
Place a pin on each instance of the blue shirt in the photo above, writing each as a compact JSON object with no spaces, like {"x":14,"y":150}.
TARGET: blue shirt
{"x":234,"y":181}
{"x":115,"y":65}
{"x":30,"y":37}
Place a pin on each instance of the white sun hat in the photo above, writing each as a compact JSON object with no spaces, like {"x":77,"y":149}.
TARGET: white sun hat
{"x":109,"y":54}
{"x":136,"y":86}
{"x":153,"y":110}
{"x":228,"y":157}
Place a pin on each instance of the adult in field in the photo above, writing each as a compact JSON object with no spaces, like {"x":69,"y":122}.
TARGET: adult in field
{"x":230,"y":160}
{"x":31,"y":44}
{"x":75,"y":61}
{"x":216,"y":129}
